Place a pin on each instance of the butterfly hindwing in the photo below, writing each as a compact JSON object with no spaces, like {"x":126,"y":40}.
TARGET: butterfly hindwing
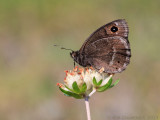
{"x":112,"y":53}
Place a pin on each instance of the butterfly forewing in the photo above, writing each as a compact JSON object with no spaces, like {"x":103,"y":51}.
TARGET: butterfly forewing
{"x":107,"y":31}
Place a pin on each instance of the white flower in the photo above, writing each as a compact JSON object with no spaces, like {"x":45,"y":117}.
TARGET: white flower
{"x":72,"y":76}
{"x":80,"y":76}
{"x":80,"y":81}
{"x":99,"y":75}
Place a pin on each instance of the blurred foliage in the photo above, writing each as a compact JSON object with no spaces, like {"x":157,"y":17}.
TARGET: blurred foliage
{"x":30,"y":66}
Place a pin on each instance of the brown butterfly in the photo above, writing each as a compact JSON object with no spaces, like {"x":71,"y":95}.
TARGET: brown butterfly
{"x":108,"y":47}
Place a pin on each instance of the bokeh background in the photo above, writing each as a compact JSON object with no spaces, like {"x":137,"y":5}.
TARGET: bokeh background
{"x":30,"y":66}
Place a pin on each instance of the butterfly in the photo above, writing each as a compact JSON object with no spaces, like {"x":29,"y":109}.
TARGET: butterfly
{"x":108,"y":47}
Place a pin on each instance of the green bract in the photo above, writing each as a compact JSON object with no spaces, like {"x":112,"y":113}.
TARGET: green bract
{"x":108,"y":85}
{"x":76,"y":92}
{"x":71,"y":94}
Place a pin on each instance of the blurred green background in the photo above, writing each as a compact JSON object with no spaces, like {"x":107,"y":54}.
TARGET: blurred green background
{"x":30,"y":66}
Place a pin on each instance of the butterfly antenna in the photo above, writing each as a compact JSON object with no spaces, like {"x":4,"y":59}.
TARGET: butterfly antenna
{"x":63,"y":47}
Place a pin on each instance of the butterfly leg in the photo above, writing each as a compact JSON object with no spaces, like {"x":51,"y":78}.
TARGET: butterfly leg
{"x":74,"y":64}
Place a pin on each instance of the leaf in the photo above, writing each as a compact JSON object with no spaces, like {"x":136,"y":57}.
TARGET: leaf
{"x":99,"y":83}
{"x":70,"y":94}
{"x":69,"y":88}
{"x":115,"y":83}
{"x":95,"y":81}
{"x":77,"y":96}
{"x":84,"y":88}
{"x":106,"y":86}
{"x":75,"y":87}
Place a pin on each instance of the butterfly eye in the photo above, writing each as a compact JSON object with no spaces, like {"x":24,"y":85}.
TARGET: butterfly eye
{"x":114,"y":29}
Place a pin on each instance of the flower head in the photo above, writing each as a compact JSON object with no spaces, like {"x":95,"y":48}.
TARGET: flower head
{"x":80,"y":82}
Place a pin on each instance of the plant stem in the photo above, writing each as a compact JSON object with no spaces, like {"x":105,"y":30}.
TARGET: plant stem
{"x":94,"y":90}
{"x":87,"y":108}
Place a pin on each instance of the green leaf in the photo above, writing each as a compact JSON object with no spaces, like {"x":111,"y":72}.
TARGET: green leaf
{"x":84,"y":88}
{"x":77,"y":96}
{"x":69,"y":88}
{"x":115,"y":83}
{"x":95,"y":81}
{"x":70,"y":94}
{"x":99,"y":83}
{"x":75,"y":87}
{"x":105,"y":87}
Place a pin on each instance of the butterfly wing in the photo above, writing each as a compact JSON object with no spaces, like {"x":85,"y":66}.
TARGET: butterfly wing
{"x":112,"y":53}
{"x":115,"y":28}
{"x":108,"y":47}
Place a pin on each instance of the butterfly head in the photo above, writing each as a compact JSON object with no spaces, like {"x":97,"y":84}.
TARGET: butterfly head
{"x":75,"y":56}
